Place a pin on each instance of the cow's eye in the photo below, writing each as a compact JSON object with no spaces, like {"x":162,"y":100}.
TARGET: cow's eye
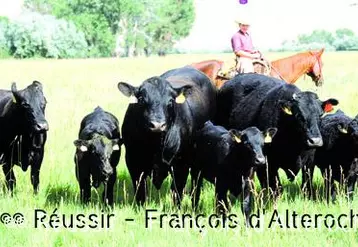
{"x":141,"y":99}
{"x":25,"y":105}
{"x":171,"y":103}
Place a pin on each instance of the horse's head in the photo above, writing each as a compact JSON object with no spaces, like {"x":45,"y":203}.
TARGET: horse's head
{"x":315,"y":70}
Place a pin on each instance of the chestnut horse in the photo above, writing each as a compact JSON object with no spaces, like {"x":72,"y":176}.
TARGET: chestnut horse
{"x":288,"y":69}
{"x":209,"y":67}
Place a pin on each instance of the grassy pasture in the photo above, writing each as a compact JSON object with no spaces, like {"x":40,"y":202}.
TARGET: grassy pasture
{"x":73,"y":88}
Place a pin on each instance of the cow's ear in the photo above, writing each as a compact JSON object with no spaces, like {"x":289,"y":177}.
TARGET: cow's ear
{"x":269,"y":134}
{"x":81,"y":145}
{"x":356,"y":118}
{"x":127,"y":89}
{"x":182,"y":94}
{"x":343,"y":129}
{"x":286,"y":107}
{"x":16,"y":98}
{"x":235,"y":135}
{"x":327,"y":105}
{"x":116,"y":144}
{"x":37,"y":83}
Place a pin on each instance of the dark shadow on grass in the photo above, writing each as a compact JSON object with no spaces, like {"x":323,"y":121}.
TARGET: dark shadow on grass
{"x":124,"y":192}
{"x":56,"y":194}
{"x":293,"y":191}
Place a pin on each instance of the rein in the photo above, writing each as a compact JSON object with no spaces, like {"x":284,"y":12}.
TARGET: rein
{"x":278,"y":73}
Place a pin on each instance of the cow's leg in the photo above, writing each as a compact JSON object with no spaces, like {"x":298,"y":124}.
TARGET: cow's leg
{"x":180,"y":175}
{"x":307,"y":181}
{"x":139,"y":167}
{"x":270,"y":180}
{"x":263,"y":178}
{"x":274,"y":183}
{"x":330,"y":187}
{"x":35,"y":178}
{"x":337,"y":175}
{"x":35,"y":170}
{"x":307,"y":164}
{"x":83,"y":176}
{"x":107,"y":195}
{"x":9,"y":176}
{"x":350,"y":186}
{"x":327,"y":183}
{"x":221,"y":189}
{"x":85,"y":185}
{"x":247,"y":202}
{"x":85,"y":189}
{"x":352,"y":178}
{"x":139,"y":186}
{"x":197,"y":181}
{"x":333,"y":192}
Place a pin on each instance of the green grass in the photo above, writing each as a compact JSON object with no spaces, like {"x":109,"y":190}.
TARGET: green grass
{"x":73,"y":88}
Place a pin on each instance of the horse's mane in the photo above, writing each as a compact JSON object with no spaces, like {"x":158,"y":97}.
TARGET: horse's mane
{"x":299,"y":59}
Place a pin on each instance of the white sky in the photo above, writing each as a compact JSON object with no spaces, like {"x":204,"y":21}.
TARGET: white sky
{"x":10,"y":8}
{"x":272,"y":20}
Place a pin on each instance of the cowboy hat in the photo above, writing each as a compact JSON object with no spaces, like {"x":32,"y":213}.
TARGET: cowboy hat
{"x":243,"y":20}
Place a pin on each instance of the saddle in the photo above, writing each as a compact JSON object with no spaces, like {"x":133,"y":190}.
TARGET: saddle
{"x":261,"y":66}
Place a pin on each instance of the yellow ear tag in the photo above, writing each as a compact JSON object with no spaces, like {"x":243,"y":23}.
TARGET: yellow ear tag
{"x":237,"y":139}
{"x":287,"y":110}
{"x":180,"y":99}
{"x":344,"y":131}
{"x":268,"y":138}
{"x":133,"y":99}
{"x":13,"y":99}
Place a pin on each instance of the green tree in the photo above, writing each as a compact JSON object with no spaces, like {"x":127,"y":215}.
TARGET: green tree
{"x":347,"y":43}
{"x":140,"y":24}
{"x":98,"y":19}
{"x":174,"y":20}
{"x":134,"y":17}
{"x":344,"y":32}
{"x":318,"y":36}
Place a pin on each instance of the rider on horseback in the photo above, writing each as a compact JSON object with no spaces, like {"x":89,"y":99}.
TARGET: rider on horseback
{"x":243,"y":48}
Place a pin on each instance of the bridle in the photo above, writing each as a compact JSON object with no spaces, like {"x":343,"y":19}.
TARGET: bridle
{"x":319,"y":65}
{"x":307,"y":71}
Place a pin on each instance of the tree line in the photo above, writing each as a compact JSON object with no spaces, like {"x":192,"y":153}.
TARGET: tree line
{"x":342,"y":39}
{"x":96,"y":28}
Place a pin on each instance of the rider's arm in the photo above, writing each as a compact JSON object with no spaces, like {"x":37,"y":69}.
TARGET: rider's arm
{"x":242,"y":53}
{"x":238,"y":49}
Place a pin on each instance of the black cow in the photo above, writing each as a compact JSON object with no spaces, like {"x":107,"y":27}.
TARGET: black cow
{"x":229,"y":159}
{"x":262,"y":101}
{"x":158,"y":127}
{"x":23,"y":131}
{"x":97,"y":154}
{"x":337,"y":158}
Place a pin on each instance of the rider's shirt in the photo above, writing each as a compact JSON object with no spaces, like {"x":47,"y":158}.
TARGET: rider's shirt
{"x":242,"y":41}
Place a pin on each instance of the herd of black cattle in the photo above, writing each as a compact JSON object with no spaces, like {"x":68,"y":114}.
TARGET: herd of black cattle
{"x":179,"y":123}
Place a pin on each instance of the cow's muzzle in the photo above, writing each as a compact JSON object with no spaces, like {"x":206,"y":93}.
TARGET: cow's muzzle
{"x":41,"y":126}
{"x":260,"y":160}
{"x":315,"y":142}
{"x":157,"y":126}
